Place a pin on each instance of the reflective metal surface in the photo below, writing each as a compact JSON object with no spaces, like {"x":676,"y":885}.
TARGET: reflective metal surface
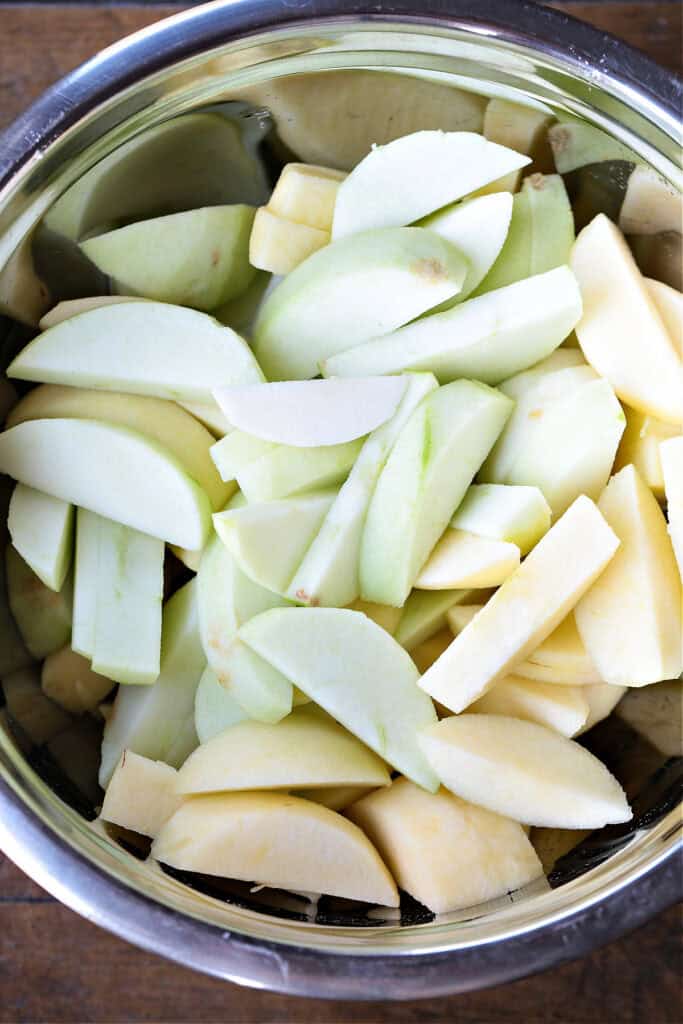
{"x":260,"y":72}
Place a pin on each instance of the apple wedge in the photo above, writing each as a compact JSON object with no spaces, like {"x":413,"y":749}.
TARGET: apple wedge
{"x":473,"y":855}
{"x":86,"y":582}
{"x":383,"y":614}
{"x":489,"y":337}
{"x":37,"y":716}
{"x":524,"y":771}
{"x":198,"y":258}
{"x":141,"y":348}
{"x":575,"y":144}
{"x":110,"y":470}
{"x":210,"y":416}
{"x":669,"y":304}
{"x":279,"y":245}
{"x":671,"y":454}
{"x":337,"y":798}
{"x":425,"y":654}
{"x":214,"y":708}
{"x":564,"y":709}
{"x":351,"y":291}
{"x":602,"y":698}
{"x":518,"y":127}
{"x":630,"y":619}
{"x":621,"y":333}
{"x":513,"y":262}
{"x":67,"y":308}
{"x":68,"y":680}
{"x":424,"y":614}
{"x":307,"y":748}
{"x":423,"y":481}
{"x":277,"y":840}
{"x":466,"y":560}
{"x":141,"y":794}
{"x":516,"y":515}
{"x":312,"y":413}
{"x":42,"y":615}
{"x":329,"y":571}
{"x":651,"y":205}
{"x":355,"y":671}
{"x":398,"y":183}
{"x":41,"y":528}
{"x":639,"y":447}
{"x":306,"y":194}
{"x":526,"y":609}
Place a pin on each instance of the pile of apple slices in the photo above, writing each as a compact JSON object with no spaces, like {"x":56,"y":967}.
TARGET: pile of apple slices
{"x":420,"y":509}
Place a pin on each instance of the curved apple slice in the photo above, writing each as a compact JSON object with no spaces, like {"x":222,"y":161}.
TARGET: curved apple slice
{"x":424,"y":614}
{"x":515,"y":514}
{"x":42,"y":528}
{"x":276,"y":840}
{"x":214,"y":708}
{"x":602,"y":698}
{"x":42,"y":615}
{"x":67,"y":308}
{"x":307,"y":748}
{"x":353,"y":669}
{"x":562,"y":708}
{"x":524,"y":771}
{"x":669,"y":304}
{"x":110,"y":470}
{"x":142,"y":348}
{"x":461,"y":559}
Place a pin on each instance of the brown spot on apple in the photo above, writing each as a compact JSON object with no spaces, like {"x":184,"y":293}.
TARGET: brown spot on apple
{"x":215,"y":256}
{"x":306,"y":598}
{"x":537,"y":181}
{"x":561,"y":139}
{"x":536,"y":414}
{"x":430,"y":269}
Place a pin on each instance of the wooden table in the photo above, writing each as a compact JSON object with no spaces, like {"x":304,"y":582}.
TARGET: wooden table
{"x":55,"y":966}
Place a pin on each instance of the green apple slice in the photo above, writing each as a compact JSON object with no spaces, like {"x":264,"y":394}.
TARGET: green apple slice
{"x":306,"y":194}
{"x":214,"y":708}
{"x":630,"y":620}
{"x":141,"y":794}
{"x":130,"y":584}
{"x":513,"y":262}
{"x":73,"y":307}
{"x":142,"y":348}
{"x":524,"y":771}
{"x":199,"y":258}
{"x":264,"y":692}
{"x":86,"y":575}
{"x":575,"y":145}
{"x":328,"y":573}
{"x":42,"y":615}
{"x":424,"y":614}
{"x":522,"y":384}
{"x":312,"y":413}
{"x":354,"y":670}
{"x":489,"y":337}
{"x":473,"y":855}
{"x":562,"y":708}
{"x":110,"y":470}
{"x":526,"y":609}
{"x":41,"y":528}
{"x":351,"y":291}
{"x":621,"y":333}
{"x":383,"y":614}
{"x":381,"y":190}
{"x":422,"y":483}
{"x":308,"y":748}
{"x":150,"y":719}
{"x":671,"y":454}
{"x":161,"y":420}
{"x":269,"y":540}
{"x":552,"y":222}
{"x":277,"y":840}
{"x":68,"y":680}
{"x":463,"y":560}
{"x":517,"y":515}
{"x":210,"y":416}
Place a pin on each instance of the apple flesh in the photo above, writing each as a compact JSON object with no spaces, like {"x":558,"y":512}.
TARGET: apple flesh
{"x":68,"y":680}
{"x":86,"y":582}
{"x":383,"y":614}
{"x":651,"y":205}
{"x":42,"y":615}
{"x":423,"y":481}
{"x":524,"y":771}
{"x":513,"y":262}
{"x":277,"y":840}
{"x":602,"y":698}
{"x":424,"y":614}
{"x":125,"y":476}
{"x":337,"y":798}
{"x":575,"y":144}
{"x":214,"y":708}
{"x":41,"y":528}
{"x":562,"y":708}
{"x":355,"y":671}
{"x":68,"y":308}
{"x":306,"y":194}
{"x":38,"y":717}
{"x":210,"y":416}
{"x":630,"y":619}
{"x":141,"y":794}
{"x":671,"y":454}
{"x":466,"y":560}
{"x":639,"y":447}
{"x":518,"y":127}
{"x":425,"y":654}
{"x":669,"y":304}
{"x":514,"y":514}
{"x":279,"y":245}
{"x":473,"y":855}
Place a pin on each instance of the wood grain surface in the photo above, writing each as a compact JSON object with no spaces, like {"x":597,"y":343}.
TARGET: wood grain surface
{"x":55,"y":966}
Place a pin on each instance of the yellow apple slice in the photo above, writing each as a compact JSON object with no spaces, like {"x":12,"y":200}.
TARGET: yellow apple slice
{"x":671,"y":454}
{"x":602,"y":698}
{"x":445,"y":852}
{"x":524,"y":771}
{"x":630,"y":619}
{"x":42,"y":528}
{"x":278,"y":244}
{"x":337,"y":798}
{"x":72,"y":307}
{"x":669,"y":303}
{"x":276,"y":840}
{"x":306,"y":193}
{"x":562,"y":708}
{"x":28,"y":706}
{"x":462,"y":559}
{"x":141,"y":794}
{"x":621,"y":333}
{"x":68,"y":680}
{"x":424,"y":614}
{"x":651,"y":205}
{"x":383,"y":614}
{"x":640,"y":446}
{"x":43,"y":616}
{"x":526,"y":609}
{"x":425,"y":654}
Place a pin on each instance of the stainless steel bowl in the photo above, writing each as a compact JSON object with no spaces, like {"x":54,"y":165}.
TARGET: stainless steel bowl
{"x":228,"y":57}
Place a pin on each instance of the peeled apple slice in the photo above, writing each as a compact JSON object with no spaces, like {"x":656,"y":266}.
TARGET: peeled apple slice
{"x":68,"y":680}
{"x":110,"y":470}
{"x":513,"y":262}
{"x":214,"y":708}
{"x":140,"y":347}
{"x":72,"y":307}
{"x":41,"y":528}
{"x":575,"y":145}
{"x":28,"y":706}
{"x":639,"y":446}
{"x":307,"y":748}
{"x":86,"y":576}
{"x":630,"y":619}
{"x":562,"y":708}
{"x":602,"y":700}
{"x":524,"y":771}
{"x":671,"y":453}
{"x":141,"y":795}
{"x":355,"y":671}
{"x":42,"y":615}
{"x":650,"y":205}
{"x":424,"y":614}
{"x":526,"y":609}
{"x":279,"y":245}
{"x":399,"y":183}
{"x":383,"y":614}
{"x":306,"y":194}
{"x":519,"y":127}
{"x":515,"y":514}
{"x":621,"y":333}
{"x":669,"y":303}
{"x":351,"y":291}
{"x":312,"y":413}
{"x":425,"y":654}
{"x":473,"y":855}
{"x":461,"y":559}
{"x":277,"y":840}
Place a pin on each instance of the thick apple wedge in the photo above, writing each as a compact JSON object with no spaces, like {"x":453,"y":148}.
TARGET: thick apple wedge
{"x":307,"y":748}
{"x":354,"y":670}
{"x":575,"y":144}
{"x":526,"y":609}
{"x":279,"y":245}
{"x":488,"y":338}
{"x":35,"y":714}
{"x":351,"y":291}
{"x":671,"y":454}
{"x":472,"y":855}
{"x":524,"y":771}
{"x":621,"y":333}
{"x":141,"y":348}
{"x":110,"y":470}
{"x":669,"y":303}
{"x":277,"y":840}
{"x":141,"y":794}
{"x":466,"y":560}
{"x":651,"y":205}
{"x":68,"y":680}
{"x":639,"y":447}
{"x":73,"y":307}
{"x":312,"y":413}
{"x":42,"y":528}
{"x":514,"y":259}
{"x":306,"y":194}
{"x":630,"y":619}
{"x":424,"y":614}
{"x":520,"y":127}
{"x":406,"y":179}
{"x":198,"y":258}
{"x":329,"y":571}
{"x":602,"y":698}
{"x":214,"y":708}
{"x":517,"y":515}
{"x":42,"y":615}
{"x":157,"y":418}
{"x":562,"y":708}
{"x":422,"y":483}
